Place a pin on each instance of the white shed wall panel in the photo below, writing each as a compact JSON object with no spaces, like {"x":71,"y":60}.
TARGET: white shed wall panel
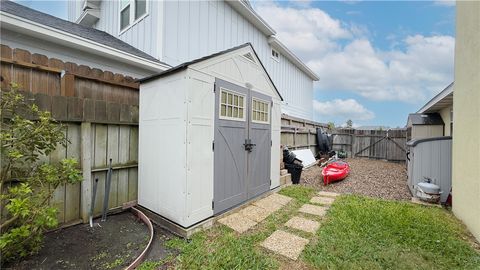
{"x":197,"y":28}
{"x":162,"y":147}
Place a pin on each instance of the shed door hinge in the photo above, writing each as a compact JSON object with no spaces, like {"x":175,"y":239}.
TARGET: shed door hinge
{"x":213,"y":145}
{"x":213,"y":204}
{"x":214,"y":87}
{"x":271,"y":143}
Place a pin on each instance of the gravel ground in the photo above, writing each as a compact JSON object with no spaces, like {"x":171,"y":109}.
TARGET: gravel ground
{"x":370,"y":177}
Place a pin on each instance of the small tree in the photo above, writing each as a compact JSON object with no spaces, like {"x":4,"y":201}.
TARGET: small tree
{"x":331,"y":125}
{"x":26,"y":184}
{"x":349,"y":123}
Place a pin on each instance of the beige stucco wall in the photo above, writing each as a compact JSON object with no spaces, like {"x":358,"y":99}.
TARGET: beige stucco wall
{"x":445,"y":114}
{"x":426,"y":131}
{"x":466,"y":117}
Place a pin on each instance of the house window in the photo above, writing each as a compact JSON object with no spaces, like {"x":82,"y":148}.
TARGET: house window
{"x":131,"y":11}
{"x":232,"y":105}
{"x":125,"y":14}
{"x":275,"y":55}
{"x":140,"y":8}
{"x":260,"y":111}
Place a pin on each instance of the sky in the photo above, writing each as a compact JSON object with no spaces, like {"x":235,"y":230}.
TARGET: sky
{"x":377,"y":61}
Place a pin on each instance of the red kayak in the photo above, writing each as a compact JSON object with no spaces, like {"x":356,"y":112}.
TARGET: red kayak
{"x":335,"y":171}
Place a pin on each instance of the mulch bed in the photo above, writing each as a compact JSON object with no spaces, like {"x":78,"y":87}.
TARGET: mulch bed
{"x":112,"y":245}
{"x":369,"y":177}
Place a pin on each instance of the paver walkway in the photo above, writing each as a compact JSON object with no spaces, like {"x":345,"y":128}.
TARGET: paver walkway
{"x":251,"y":215}
{"x":286,"y":244}
{"x":290,"y":245}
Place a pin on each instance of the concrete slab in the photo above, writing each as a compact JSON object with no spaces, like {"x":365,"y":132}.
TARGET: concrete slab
{"x":268,"y":204}
{"x":280,"y":199}
{"x":418,"y":201}
{"x":328,"y":194}
{"x":237,"y":222}
{"x":313,"y":210}
{"x":254,"y":213}
{"x":322,"y":200}
{"x":303,"y":224}
{"x":285,"y":244}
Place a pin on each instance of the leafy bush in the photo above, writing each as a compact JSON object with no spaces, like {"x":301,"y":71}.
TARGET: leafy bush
{"x":26,"y":183}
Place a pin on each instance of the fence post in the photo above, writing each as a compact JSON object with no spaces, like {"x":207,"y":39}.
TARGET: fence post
{"x":86,"y":148}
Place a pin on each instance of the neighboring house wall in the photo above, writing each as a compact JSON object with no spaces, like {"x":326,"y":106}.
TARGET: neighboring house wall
{"x":179,"y":31}
{"x":426,"y":131}
{"x":446,"y":114}
{"x":67,"y":54}
{"x":466,"y":142}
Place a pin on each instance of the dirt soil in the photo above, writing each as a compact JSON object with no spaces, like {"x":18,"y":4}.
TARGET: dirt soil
{"x":369,"y":177}
{"x":113,"y":244}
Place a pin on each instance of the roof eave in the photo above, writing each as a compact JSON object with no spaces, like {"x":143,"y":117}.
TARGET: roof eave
{"x":436,"y":99}
{"x":19,"y":24}
{"x":276,"y":44}
{"x":252,"y":17}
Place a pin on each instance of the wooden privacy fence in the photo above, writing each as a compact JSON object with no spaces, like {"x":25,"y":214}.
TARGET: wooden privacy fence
{"x":100,"y":112}
{"x":298,"y":133}
{"x":378,"y":144}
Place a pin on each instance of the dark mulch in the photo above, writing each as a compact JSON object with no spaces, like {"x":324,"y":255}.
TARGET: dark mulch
{"x":369,"y":177}
{"x":112,"y":245}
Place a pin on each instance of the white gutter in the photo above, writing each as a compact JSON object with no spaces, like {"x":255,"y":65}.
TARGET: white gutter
{"x":445,"y":92}
{"x":252,"y":17}
{"x":28,"y":27}
{"x":277,"y":45}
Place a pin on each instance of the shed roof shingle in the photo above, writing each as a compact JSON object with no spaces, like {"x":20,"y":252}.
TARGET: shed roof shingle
{"x":73,"y":28}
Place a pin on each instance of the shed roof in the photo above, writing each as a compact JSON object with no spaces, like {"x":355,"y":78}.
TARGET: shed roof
{"x":73,"y":28}
{"x":425,"y":119}
{"x":187,"y":64}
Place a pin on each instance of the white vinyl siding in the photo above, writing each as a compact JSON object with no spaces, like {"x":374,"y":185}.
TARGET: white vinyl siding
{"x":194,"y":29}
{"x":179,"y":31}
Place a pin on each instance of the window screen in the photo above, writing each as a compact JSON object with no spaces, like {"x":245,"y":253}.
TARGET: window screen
{"x":125,"y":17}
{"x":260,"y":111}
{"x":232,"y":105}
{"x":140,"y":8}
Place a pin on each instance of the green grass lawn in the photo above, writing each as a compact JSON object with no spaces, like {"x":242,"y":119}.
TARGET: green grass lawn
{"x":357,"y":233}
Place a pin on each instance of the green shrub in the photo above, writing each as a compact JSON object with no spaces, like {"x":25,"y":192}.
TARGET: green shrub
{"x":27,"y":184}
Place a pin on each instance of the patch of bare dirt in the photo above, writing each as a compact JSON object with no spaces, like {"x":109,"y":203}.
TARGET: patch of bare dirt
{"x":369,"y":177}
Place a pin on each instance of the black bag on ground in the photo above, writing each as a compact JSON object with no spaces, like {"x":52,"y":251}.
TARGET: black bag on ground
{"x":295,"y":170}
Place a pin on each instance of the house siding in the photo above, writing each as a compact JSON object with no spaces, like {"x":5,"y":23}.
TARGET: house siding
{"x":447,"y":119}
{"x":466,"y":108}
{"x":179,"y":31}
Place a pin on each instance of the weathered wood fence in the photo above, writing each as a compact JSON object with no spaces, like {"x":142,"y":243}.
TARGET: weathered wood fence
{"x":298,"y":133}
{"x":377,"y":144}
{"x":100,"y":112}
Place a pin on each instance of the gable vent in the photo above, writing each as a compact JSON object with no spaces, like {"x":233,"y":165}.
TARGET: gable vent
{"x":249,"y":56}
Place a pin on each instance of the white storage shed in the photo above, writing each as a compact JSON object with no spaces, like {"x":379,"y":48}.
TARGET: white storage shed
{"x":209,"y":136}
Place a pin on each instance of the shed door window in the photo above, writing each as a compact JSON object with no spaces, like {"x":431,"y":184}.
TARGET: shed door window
{"x":140,"y":8}
{"x":260,"y":111}
{"x":232,"y":105}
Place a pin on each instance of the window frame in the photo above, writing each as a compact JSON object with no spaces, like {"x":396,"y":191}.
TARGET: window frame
{"x":268,"y":103}
{"x":277,"y":57}
{"x":132,"y":20}
{"x":244,"y":105}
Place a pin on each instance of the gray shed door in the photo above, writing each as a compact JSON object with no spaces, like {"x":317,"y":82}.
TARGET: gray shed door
{"x":242,"y":145}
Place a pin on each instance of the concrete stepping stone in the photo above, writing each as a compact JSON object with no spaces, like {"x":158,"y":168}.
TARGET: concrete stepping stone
{"x":328,"y":194}
{"x":237,"y":222}
{"x":280,"y":199}
{"x":285,"y":244}
{"x":303,"y":224}
{"x":313,"y":210}
{"x":268,"y":204}
{"x":254,"y":213}
{"x":322,"y":200}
